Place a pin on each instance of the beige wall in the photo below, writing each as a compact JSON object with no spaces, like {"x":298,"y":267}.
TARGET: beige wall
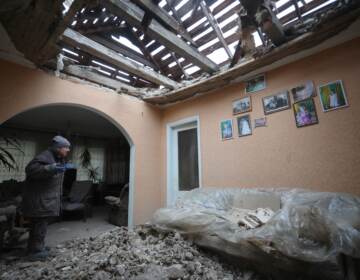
{"x":22,"y":89}
{"x":323,"y":157}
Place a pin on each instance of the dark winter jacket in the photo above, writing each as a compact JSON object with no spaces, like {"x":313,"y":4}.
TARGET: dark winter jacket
{"x":43,"y":188}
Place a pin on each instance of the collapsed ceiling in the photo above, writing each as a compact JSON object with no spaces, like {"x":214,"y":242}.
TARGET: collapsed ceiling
{"x":161,"y":50}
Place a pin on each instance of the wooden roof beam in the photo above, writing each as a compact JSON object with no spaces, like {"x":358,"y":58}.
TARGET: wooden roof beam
{"x":76,"y":39}
{"x":215,"y":27}
{"x":88,"y":73}
{"x":134,"y":15}
{"x":160,"y":14}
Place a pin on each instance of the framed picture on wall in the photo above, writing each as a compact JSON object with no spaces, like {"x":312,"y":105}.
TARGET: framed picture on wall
{"x":244,"y":125}
{"x":241,"y":105}
{"x":277,"y":102}
{"x":332,"y":96}
{"x":305,"y":113}
{"x":261,"y":122}
{"x":303,"y":91}
{"x":226,"y":128}
{"x":255,"y":84}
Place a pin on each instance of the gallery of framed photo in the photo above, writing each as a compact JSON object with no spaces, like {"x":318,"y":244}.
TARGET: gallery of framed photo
{"x":255,"y":84}
{"x":277,"y":102}
{"x":305,"y":113}
{"x":303,"y":91}
{"x":244,"y":125}
{"x":332,"y":96}
{"x":226,"y":129}
{"x":242,"y":105}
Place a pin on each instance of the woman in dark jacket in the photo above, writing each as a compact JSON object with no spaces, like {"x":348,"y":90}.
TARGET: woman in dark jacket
{"x":42,"y":194}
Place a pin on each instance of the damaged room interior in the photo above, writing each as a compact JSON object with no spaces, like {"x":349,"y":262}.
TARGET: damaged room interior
{"x":180,"y":139}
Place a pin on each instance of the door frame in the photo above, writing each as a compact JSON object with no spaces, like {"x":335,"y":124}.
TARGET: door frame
{"x":170,"y":129}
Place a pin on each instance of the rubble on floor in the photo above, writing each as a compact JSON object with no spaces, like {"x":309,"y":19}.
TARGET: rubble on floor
{"x":143,"y":254}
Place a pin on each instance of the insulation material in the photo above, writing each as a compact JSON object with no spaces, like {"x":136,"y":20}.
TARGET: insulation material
{"x":309,"y":234}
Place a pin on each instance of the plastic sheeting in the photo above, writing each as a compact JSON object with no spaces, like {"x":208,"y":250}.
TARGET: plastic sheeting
{"x":311,"y":228}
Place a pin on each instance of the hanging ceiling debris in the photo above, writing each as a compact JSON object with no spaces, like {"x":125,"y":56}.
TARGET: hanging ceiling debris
{"x":163,"y":51}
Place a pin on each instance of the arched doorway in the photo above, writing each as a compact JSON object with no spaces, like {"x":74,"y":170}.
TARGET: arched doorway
{"x":80,"y":124}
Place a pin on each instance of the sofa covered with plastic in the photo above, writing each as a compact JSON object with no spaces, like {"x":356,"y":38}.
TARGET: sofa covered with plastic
{"x":315,"y":234}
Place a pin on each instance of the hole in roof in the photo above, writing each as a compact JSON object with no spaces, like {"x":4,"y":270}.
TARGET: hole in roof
{"x":214,"y":5}
{"x":208,"y":44}
{"x":191,"y":27}
{"x":154,"y":52}
{"x":182,"y":3}
{"x":166,"y":56}
{"x":257,"y":39}
{"x":103,"y":65}
{"x":162,"y":3}
{"x":319,"y":7}
{"x":103,"y":72}
{"x":186,"y":16}
{"x":230,"y":32}
{"x":124,"y":73}
{"x":126,"y":42}
{"x":150,"y":43}
{"x":202,"y":34}
{"x":218,"y":56}
{"x":228,"y":8}
{"x":70,"y":51}
{"x":122,"y":79}
{"x":72,"y":59}
{"x":192,"y":70}
{"x":286,"y":11}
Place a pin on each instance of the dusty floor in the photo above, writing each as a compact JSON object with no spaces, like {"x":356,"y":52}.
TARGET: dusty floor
{"x":69,"y":230}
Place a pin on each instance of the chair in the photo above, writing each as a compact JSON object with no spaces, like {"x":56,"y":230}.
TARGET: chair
{"x":79,"y":199}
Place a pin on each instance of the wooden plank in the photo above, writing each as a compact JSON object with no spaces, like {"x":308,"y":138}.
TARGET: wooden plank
{"x":76,"y":39}
{"x":215,"y":26}
{"x":161,"y":15}
{"x":111,"y":44}
{"x":134,"y":15}
{"x":89,"y":73}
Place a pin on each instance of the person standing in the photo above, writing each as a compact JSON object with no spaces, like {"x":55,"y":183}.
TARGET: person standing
{"x":43,"y":191}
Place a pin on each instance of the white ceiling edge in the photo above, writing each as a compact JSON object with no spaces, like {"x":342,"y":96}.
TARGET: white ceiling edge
{"x":9,"y":52}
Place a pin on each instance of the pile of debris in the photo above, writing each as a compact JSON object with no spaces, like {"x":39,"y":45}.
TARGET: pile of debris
{"x":143,"y":254}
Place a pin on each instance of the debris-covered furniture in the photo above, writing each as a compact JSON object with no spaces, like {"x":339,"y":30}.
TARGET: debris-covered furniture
{"x":79,"y":199}
{"x":118,"y":207}
{"x":11,"y":232}
{"x":313,"y":234}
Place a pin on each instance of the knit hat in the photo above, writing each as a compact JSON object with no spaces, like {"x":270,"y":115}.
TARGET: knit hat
{"x":60,"y":142}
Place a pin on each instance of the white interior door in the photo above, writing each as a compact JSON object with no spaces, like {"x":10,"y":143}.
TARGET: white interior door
{"x":183,"y":159}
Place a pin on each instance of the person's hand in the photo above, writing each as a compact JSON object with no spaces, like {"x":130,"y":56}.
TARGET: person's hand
{"x":69,"y":165}
{"x":60,"y":168}
{"x":56,"y":168}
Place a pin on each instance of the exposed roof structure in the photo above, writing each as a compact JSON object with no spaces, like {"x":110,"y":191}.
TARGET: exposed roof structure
{"x":161,"y":50}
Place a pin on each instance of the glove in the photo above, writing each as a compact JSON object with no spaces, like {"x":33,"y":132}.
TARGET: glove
{"x":60,"y":168}
{"x":55,"y":167}
{"x":69,"y":165}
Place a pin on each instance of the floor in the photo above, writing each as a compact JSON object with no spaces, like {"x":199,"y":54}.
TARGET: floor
{"x":68,"y":230}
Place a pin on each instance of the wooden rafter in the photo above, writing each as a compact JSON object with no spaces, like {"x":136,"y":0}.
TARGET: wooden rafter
{"x":163,"y":17}
{"x":76,"y":39}
{"x":215,"y":27}
{"x":134,"y":15}
{"x":89,"y":73}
